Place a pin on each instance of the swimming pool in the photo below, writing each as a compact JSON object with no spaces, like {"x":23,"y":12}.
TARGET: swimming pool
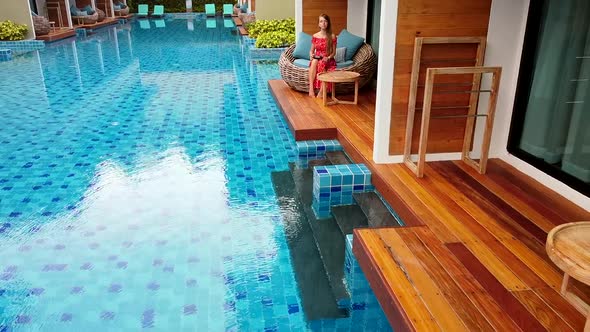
{"x":135,"y":187}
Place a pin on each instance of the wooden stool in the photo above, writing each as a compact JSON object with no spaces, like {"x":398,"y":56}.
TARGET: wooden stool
{"x":339,"y":76}
{"x":568,"y":246}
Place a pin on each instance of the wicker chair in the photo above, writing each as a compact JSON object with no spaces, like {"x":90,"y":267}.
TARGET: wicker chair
{"x":87,"y":19}
{"x":101,"y":15}
{"x":365,"y":63}
{"x":41,"y":25}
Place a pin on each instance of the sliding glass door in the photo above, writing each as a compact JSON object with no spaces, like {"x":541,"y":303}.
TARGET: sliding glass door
{"x":551,"y":119}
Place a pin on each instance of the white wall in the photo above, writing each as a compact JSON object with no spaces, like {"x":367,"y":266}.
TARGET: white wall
{"x":505,"y":39}
{"x":356,"y":20}
{"x":275,"y":9}
{"x":18,"y":12}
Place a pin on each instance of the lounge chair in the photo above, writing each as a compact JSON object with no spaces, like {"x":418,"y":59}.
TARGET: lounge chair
{"x":142,"y":11}
{"x":144,"y":24}
{"x":210,"y":9}
{"x":158,"y":11}
{"x":228,"y":9}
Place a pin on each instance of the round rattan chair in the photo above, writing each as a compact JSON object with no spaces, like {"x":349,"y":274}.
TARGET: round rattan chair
{"x":41,"y":25}
{"x":86,"y":19}
{"x":365,"y":63}
{"x":101,"y":15}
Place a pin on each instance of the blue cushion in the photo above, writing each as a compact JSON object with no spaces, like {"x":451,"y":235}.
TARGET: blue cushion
{"x":116,"y":7}
{"x":351,"y":42}
{"x":244,"y":8}
{"x":88,"y":9}
{"x":344,"y":64}
{"x":301,"y":63}
{"x":303,"y":46}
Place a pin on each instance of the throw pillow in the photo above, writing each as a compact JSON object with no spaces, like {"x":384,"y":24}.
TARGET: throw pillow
{"x":82,"y":13}
{"x":244,"y":8}
{"x":303,"y":46}
{"x":88,"y":9}
{"x":351,"y":42}
{"x":340,"y":54}
{"x":116,"y":7}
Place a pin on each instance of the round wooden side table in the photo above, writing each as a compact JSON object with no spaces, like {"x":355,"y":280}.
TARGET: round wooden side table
{"x":339,"y":76}
{"x":568,"y":246}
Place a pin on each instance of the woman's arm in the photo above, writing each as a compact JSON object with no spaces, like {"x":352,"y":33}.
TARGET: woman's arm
{"x":312,"y":51}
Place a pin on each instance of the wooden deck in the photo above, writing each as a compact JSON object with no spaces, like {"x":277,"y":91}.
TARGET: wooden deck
{"x":472,"y":256}
{"x":57,"y":34}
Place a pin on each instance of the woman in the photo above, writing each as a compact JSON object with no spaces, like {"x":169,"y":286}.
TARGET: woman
{"x":321,"y":55}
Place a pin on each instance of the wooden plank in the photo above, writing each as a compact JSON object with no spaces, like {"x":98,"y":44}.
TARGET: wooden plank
{"x":302,"y":113}
{"x":541,"y":311}
{"x":452,"y":292}
{"x":480,"y":298}
{"x":396,"y":279}
{"x":514,"y":308}
{"x":428,"y":291}
{"x":516,"y":199}
{"x":483,"y":253}
{"x":570,"y":211}
{"x":563,"y":308}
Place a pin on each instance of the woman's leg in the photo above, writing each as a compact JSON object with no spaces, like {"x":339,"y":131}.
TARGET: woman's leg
{"x":313,"y":67}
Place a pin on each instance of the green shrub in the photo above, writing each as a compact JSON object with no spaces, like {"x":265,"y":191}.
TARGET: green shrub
{"x":272,"y":33}
{"x":12,"y":31}
{"x":275,"y":39}
{"x":262,"y":26}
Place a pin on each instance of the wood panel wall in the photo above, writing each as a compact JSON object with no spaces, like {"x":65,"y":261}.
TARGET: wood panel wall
{"x":433,"y":18}
{"x":336,"y":9}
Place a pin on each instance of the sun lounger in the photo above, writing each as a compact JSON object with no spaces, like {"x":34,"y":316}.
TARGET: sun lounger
{"x":228,"y":9}
{"x":158,"y":11}
{"x":142,"y":11}
{"x":210,"y":9}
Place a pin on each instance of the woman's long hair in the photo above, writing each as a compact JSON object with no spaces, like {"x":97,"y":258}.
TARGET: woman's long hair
{"x":328,"y":34}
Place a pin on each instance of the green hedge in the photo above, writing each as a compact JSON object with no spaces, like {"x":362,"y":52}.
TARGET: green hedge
{"x":178,"y":6}
{"x":272,"y":33}
{"x":12,"y":31}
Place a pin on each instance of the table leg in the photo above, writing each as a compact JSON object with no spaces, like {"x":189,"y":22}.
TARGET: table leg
{"x":566,"y":279}
{"x":356,"y":91}
{"x":334,"y":92}
{"x":324,"y":94}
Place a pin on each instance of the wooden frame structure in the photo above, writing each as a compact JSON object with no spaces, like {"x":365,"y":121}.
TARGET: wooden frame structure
{"x":473,"y":100}
{"x":468,"y":138}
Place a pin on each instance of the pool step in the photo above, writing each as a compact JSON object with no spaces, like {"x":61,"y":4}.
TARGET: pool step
{"x":317,"y":298}
{"x":327,"y":234}
{"x":378,"y":215}
{"x":349,"y":217}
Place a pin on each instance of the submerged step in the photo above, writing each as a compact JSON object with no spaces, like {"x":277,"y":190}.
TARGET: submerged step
{"x":349,"y":217}
{"x":327,"y":234}
{"x":378,"y":215}
{"x":338,"y":158}
{"x":317,"y":298}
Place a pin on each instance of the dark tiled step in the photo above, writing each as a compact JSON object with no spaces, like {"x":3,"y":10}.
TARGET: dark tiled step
{"x":317,"y":298}
{"x":337,"y":158}
{"x":377,"y":213}
{"x":349,"y":217}
{"x":329,"y":239}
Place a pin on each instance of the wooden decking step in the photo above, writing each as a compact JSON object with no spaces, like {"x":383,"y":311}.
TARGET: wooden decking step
{"x":243,"y":31}
{"x":237,"y":21}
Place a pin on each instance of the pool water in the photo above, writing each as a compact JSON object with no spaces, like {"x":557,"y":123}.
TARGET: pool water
{"x":135,"y":187}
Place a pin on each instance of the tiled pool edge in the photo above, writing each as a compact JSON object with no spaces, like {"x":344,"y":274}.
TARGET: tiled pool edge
{"x":20,"y":46}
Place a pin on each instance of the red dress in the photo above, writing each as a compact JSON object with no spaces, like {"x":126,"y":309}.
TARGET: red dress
{"x":323,"y":66}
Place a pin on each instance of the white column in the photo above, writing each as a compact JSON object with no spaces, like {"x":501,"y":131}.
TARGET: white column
{"x":298,"y":18}
{"x":388,"y":29}
{"x":356,"y":20}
